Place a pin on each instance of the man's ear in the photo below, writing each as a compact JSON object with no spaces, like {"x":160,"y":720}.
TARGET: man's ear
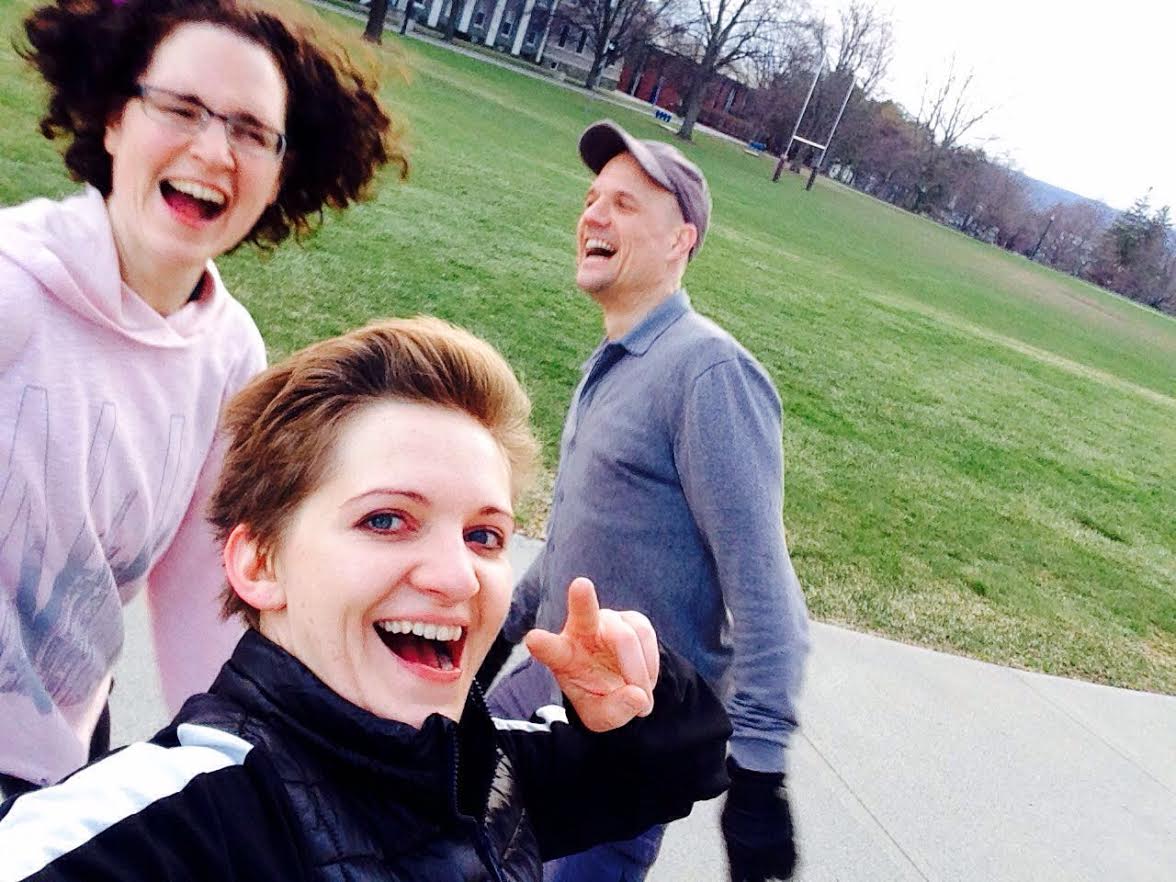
{"x":251,"y":572}
{"x":684,"y":240}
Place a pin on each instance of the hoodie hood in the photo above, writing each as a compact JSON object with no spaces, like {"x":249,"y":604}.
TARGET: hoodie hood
{"x":68,"y":247}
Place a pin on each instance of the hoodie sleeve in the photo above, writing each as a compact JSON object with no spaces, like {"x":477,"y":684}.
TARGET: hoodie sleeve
{"x":192,"y":641}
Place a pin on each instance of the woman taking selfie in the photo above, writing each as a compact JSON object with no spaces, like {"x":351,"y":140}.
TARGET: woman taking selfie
{"x":365,"y":507}
{"x":195,"y":125}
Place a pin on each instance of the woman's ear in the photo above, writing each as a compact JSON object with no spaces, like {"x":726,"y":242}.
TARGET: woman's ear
{"x":251,"y":572}
{"x":112,"y":136}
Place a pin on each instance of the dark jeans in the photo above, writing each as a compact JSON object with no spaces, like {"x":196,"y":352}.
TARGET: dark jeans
{"x":627,"y":861}
{"x":11,"y":786}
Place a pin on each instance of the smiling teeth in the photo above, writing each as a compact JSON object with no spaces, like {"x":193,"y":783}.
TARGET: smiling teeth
{"x":599,"y":244}
{"x":444,"y":633}
{"x":198,"y":191}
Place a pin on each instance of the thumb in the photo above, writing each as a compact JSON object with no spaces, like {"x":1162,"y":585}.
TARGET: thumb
{"x":549,"y":649}
{"x":637,"y":700}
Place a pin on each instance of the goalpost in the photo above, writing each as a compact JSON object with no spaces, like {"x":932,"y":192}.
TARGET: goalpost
{"x":824,"y":148}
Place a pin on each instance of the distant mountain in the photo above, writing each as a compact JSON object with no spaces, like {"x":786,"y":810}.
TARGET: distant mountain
{"x":1042,"y":196}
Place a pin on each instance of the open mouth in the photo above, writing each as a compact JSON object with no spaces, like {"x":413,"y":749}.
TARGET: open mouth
{"x":420,"y":643}
{"x":193,"y":201}
{"x":599,"y":248}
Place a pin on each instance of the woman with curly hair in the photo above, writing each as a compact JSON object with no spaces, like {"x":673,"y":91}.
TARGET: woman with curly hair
{"x":196,"y":125}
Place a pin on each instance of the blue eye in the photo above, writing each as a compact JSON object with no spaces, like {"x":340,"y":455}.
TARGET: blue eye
{"x":383,"y":521}
{"x":489,"y":539}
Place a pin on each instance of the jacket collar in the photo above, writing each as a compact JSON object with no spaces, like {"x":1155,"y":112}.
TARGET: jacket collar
{"x":448,"y":764}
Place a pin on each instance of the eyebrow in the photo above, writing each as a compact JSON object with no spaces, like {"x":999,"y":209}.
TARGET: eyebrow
{"x":616,"y":194}
{"x":239,"y":115}
{"x":423,"y":500}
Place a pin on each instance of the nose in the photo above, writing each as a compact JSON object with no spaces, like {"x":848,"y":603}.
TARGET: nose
{"x":212,"y":143}
{"x":447,"y":569}
{"x":595,"y":214}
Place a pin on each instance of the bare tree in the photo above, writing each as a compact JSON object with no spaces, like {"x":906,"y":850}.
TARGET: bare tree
{"x":377,"y":12}
{"x":947,"y":112}
{"x":724,"y":33}
{"x":864,"y":44}
{"x":1075,"y":235}
{"x":885,"y":147}
{"x":857,"y":48}
{"x":779,"y":75}
{"x":1005,"y":211}
{"x":456,"y":8}
{"x":615,"y":27}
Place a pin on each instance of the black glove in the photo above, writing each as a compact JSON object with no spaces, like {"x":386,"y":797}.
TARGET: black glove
{"x":758,"y":826}
{"x":499,"y":652}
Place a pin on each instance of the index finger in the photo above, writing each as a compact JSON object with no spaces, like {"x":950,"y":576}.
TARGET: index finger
{"x":583,"y":609}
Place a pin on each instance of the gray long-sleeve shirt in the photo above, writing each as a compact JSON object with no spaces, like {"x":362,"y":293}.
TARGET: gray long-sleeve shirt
{"x":669,"y":496}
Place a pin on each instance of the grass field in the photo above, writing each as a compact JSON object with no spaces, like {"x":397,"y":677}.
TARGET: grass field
{"x":981,"y":454}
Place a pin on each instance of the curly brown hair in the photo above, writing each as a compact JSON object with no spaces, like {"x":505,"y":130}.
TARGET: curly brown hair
{"x":282,"y":426}
{"x":92,"y":52}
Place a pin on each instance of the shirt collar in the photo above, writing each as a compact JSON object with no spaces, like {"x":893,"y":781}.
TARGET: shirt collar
{"x":640,"y":338}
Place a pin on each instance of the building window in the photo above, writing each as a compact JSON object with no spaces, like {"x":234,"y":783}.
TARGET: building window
{"x":563,"y":36}
{"x":583,"y":40}
{"x":532,"y":36}
{"x":507,"y":27}
{"x":479,"y":17}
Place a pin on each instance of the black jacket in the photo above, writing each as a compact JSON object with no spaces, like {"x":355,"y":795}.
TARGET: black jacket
{"x":271,"y":775}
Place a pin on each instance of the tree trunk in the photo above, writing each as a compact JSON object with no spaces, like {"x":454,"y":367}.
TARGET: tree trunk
{"x":374,"y":31}
{"x":407,"y":16}
{"x":594,"y":73}
{"x":639,"y":69}
{"x":693,"y":105}
{"x":456,"y":8}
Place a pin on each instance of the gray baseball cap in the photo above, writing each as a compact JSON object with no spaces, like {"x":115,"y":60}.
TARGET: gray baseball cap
{"x":663,"y":162}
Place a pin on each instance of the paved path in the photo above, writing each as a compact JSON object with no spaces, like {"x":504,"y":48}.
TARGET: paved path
{"x":915,"y":765}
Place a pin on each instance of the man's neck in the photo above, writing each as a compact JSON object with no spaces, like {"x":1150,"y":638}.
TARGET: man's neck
{"x":621,"y":315}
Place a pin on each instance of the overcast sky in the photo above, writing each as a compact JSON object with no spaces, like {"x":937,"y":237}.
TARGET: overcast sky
{"x":1082,"y":91}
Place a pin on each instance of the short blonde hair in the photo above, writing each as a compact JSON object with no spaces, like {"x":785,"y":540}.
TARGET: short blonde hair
{"x":283,"y":425}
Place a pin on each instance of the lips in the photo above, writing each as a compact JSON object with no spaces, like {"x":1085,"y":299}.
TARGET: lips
{"x":194,"y":202}
{"x":596,"y":247}
{"x":425,"y":646}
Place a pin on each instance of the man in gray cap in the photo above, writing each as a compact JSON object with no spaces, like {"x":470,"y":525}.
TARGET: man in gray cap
{"x":668,"y":496}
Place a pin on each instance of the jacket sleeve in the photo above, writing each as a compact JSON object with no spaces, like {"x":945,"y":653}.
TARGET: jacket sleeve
{"x":191,"y":639}
{"x":141,"y":815}
{"x":583,"y":788}
{"x":730,"y":462}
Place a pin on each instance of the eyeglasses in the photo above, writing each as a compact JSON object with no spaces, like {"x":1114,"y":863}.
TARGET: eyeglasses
{"x":183,"y":113}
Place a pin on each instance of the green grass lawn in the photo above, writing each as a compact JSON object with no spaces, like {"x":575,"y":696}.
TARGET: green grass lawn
{"x":981,"y":454}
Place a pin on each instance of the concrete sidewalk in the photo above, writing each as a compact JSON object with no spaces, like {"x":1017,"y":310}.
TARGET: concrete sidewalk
{"x":918,"y":765}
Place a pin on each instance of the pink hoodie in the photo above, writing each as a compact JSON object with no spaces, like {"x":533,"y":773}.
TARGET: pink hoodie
{"x":108,"y":414}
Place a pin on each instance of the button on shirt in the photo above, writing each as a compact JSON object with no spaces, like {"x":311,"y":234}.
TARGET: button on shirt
{"x":669,"y":496}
